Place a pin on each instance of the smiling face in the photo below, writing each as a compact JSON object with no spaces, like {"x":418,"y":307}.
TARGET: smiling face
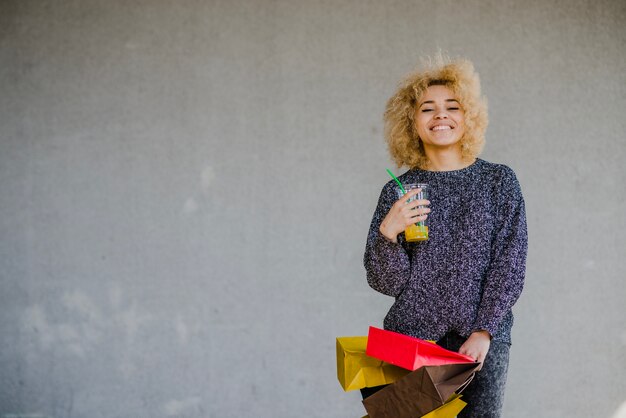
{"x":439,"y":119}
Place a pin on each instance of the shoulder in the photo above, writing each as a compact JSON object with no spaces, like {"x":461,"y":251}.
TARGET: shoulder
{"x":503,"y":181}
{"x":391,"y":192}
{"x":500,"y":170}
{"x":499,"y":174}
{"x":391,"y":187}
{"x":388,"y":193}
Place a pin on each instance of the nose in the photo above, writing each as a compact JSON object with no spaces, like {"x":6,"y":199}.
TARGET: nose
{"x":441,"y":114}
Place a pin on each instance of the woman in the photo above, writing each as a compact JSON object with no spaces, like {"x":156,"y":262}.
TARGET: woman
{"x":458,"y":287}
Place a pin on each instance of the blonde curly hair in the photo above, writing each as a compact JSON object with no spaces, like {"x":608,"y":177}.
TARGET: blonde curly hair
{"x":405,"y":146}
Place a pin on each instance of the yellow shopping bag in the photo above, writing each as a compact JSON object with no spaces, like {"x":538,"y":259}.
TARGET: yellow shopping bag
{"x":356,"y":370}
{"x":449,"y":409}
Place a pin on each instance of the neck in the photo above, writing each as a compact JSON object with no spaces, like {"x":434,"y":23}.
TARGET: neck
{"x":446,"y":159}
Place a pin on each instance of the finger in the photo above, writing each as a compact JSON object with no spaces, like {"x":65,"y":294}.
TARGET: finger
{"x":403,"y":200}
{"x":414,"y":211}
{"x":408,"y":195}
{"x":417,"y":203}
{"x":415,"y":219}
{"x":421,"y":212}
{"x":469,"y":352}
{"x":465,"y":351}
{"x":411,"y":219}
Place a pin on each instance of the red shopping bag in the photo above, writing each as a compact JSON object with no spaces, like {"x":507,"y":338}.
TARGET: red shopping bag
{"x":409,"y":352}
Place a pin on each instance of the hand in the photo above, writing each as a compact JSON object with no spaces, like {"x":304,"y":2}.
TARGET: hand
{"x":403,"y":214}
{"x":477,"y":346}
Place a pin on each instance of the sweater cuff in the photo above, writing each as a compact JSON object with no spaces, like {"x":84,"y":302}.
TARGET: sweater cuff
{"x":488,"y":326}
{"x":385,"y":243}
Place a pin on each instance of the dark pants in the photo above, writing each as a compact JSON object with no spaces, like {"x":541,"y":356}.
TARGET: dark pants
{"x":485,"y":395}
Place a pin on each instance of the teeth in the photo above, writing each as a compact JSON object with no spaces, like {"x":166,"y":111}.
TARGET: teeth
{"x":441,"y":127}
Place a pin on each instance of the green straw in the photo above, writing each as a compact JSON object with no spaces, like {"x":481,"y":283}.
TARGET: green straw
{"x":397,"y":181}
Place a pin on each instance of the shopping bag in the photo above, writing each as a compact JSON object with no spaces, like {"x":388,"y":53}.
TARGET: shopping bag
{"x":409,"y":352}
{"x":356,"y":370}
{"x":421,"y":391}
{"x":449,"y":409}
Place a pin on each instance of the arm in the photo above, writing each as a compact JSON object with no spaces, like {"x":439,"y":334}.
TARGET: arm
{"x":505,"y":277}
{"x":386,"y":262}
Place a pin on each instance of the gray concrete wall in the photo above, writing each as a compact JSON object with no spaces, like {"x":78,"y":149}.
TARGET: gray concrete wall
{"x":186,"y":187}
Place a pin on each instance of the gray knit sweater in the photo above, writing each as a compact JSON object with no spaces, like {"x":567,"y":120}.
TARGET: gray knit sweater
{"x":470,"y":272}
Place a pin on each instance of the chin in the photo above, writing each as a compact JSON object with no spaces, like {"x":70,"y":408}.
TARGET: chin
{"x":448,"y":142}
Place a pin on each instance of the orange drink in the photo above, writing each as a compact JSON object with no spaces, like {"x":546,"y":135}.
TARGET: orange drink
{"x":418,"y":231}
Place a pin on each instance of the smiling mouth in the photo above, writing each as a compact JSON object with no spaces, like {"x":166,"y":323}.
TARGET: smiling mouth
{"x":441,"y":128}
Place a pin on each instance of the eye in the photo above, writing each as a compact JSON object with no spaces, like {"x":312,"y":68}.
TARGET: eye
{"x":453,"y":108}
{"x":426,"y":110}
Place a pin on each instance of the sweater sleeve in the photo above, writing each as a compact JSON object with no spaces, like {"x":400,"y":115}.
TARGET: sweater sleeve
{"x":387,"y":263}
{"x":505,"y":277}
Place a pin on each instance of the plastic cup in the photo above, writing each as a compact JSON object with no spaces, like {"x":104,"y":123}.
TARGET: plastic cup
{"x":419,"y":231}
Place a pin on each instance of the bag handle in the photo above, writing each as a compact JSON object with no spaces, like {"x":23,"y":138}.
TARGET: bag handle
{"x":466,"y":383}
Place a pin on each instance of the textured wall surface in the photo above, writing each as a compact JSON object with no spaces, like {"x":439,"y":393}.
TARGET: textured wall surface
{"x":186,"y":187}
